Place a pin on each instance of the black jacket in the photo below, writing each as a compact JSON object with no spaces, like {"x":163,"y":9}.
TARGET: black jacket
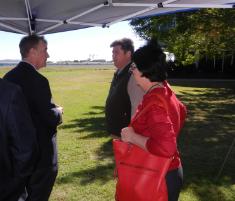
{"x":18,"y":144}
{"x":118,"y":105}
{"x":46,"y":117}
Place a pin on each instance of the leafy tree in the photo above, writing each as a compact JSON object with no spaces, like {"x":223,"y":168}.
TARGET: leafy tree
{"x":191,"y":35}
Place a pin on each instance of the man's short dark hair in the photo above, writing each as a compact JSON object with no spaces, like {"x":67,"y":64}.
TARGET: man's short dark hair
{"x":28,"y":42}
{"x":125,"y":43}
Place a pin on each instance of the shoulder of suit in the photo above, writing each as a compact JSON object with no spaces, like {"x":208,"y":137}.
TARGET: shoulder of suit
{"x":30,"y":68}
{"x":5,"y":83}
{"x":7,"y":86}
{"x":26,"y":66}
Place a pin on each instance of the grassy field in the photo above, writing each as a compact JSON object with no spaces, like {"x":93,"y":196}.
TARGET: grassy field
{"x":85,"y":152}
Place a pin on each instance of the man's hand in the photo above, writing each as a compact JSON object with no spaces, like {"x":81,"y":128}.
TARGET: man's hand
{"x":60,"y":109}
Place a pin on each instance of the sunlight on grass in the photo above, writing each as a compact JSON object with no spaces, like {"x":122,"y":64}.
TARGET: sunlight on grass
{"x":85,"y":151}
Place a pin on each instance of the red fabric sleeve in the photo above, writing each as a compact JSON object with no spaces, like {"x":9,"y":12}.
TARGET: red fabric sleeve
{"x":162,"y":139}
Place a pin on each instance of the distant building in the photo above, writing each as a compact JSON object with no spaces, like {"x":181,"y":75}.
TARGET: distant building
{"x":9,"y":62}
{"x":170,"y":56}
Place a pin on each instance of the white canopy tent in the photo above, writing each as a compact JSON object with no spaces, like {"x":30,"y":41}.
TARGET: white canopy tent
{"x":44,"y":17}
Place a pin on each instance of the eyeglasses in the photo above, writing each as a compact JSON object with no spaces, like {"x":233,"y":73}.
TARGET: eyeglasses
{"x":132,"y":66}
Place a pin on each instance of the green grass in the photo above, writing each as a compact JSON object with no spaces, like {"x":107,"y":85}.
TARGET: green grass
{"x":85,"y":151}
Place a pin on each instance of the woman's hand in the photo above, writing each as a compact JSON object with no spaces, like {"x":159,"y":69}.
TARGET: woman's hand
{"x":127,"y":134}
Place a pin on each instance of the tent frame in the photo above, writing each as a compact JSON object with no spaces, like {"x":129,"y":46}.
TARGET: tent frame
{"x":109,"y":3}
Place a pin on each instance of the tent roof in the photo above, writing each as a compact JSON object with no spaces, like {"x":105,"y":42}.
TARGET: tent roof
{"x":51,"y":16}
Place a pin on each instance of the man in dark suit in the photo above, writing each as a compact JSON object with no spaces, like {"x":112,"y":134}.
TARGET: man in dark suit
{"x":45,"y":114}
{"x":124,"y":94}
{"x":18,"y":143}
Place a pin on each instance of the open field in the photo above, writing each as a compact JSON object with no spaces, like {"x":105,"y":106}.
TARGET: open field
{"x":85,"y":152}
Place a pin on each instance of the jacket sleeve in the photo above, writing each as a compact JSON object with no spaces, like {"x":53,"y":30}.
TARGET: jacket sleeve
{"x":46,"y":108}
{"x":162,"y":141}
{"x":22,"y":136}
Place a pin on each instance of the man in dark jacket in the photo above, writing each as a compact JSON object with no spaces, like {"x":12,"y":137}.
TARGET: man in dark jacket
{"x":45,"y":114}
{"x":18,"y":144}
{"x":124,"y":94}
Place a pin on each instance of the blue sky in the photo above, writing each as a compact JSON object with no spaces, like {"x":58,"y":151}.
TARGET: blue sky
{"x":74,"y":45}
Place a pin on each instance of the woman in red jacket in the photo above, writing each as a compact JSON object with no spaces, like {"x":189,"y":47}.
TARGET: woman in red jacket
{"x":157,"y":130}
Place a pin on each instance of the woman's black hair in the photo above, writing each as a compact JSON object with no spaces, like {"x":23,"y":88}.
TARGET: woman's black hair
{"x":151,"y":61}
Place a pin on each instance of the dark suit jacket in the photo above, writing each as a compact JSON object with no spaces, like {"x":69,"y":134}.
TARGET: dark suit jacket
{"x":46,"y":117}
{"x":18,"y":143}
{"x":118,"y":105}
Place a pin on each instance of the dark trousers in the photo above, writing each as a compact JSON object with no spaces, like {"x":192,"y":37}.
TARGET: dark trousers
{"x":12,"y":189}
{"x":40,"y":184}
{"x":174,"y":181}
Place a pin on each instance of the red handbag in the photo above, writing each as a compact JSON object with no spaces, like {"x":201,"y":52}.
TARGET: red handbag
{"x":140,"y":174}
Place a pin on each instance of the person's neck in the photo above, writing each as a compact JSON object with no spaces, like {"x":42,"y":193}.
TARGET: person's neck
{"x":30,"y":62}
{"x":154,"y":85}
{"x":120,"y":68}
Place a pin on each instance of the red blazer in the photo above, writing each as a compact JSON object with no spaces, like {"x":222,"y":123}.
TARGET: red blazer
{"x":161,"y":122}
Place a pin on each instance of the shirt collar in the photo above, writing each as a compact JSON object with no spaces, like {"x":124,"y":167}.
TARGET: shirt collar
{"x":29,"y":64}
{"x":121,"y":69}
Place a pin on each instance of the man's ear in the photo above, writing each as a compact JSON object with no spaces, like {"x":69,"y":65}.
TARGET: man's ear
{"x":128,"y":53}
{"x":32,"y":52}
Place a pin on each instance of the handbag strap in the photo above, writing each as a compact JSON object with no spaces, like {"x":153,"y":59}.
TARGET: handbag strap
{"x":161,"y":102}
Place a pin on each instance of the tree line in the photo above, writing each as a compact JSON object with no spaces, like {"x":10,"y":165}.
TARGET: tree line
{"x":203,"y":41}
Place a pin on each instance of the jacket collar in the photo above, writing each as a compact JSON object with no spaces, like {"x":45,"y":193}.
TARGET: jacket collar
{"x":29,"y":64}
{"x":124,"y":70}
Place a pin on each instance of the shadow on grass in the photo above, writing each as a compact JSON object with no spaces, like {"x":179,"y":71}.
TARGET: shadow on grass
{"x":101,"y":173}
{"x":95,"y":127}
{"x":203,"y":143}
{"x":92,"y":123}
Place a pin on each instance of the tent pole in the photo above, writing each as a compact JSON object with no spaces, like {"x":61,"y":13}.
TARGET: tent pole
{"x":225,"y":160}
{"x":13,"y":29}
{"x":67,"y":21}
{"x":198,"y":6}
{"x":29,"y":15}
